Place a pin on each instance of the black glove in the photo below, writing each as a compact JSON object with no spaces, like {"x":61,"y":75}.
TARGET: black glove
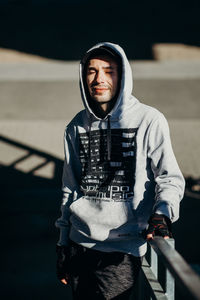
{"x":62,"y":262}
{"x":159,"y":225}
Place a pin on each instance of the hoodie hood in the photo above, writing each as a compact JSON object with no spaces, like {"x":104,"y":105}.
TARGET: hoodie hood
{"x":124,"y":98}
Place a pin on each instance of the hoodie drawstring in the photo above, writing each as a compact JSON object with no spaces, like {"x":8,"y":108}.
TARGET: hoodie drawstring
{"x":109,"y":139}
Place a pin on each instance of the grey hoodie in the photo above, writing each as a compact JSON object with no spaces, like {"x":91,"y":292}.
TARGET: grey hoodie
{"x":117,"y":172}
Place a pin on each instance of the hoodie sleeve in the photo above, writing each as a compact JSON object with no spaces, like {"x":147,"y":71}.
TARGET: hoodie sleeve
{"x":70,"y":179}
{"x":169,"y":180}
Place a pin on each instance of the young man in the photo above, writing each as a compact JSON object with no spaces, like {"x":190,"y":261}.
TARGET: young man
{"x":120,"y":178}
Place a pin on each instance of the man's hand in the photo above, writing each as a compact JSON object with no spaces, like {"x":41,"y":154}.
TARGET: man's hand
{"x":61,"y":265}
{"x":159,"y":225}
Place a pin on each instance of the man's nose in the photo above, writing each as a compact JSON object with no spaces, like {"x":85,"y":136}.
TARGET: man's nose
{"x":99,"y":77}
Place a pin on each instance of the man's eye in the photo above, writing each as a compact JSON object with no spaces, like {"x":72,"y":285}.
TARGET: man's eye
{"x":109,"y":72}
{"x":91,"y":72}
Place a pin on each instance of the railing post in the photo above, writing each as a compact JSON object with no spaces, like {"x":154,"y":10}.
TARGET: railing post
{"x":160,"y":285}
{"x":154,"y":263}
{"x":170,"y":282}
{"x":169,"y":285}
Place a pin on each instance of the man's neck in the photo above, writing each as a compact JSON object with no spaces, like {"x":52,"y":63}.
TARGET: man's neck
{"x":102,"y":109}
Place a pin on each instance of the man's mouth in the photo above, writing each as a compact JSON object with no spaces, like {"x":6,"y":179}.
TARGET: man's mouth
{"x":100,"y":89}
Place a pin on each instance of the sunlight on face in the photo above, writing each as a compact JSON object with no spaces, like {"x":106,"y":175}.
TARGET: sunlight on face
{"x":102,"y":78}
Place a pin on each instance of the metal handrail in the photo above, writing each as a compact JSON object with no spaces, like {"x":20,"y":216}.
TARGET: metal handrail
{"x":178,"y":271}
{"x":186,"y":279}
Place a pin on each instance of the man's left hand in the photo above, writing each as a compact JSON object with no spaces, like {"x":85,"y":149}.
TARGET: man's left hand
{"x":159,"y":225}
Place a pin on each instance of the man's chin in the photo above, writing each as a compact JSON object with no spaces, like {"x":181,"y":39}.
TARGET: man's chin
{"x":101,"y":99}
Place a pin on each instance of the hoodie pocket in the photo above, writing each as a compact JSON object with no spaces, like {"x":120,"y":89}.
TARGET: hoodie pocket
{"x":97,"y":218}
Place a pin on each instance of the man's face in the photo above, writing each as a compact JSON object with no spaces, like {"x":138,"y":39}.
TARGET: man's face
{"x":102,"y":78}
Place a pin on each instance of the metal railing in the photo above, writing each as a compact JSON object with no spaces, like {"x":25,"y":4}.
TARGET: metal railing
{"x":164,"y":268}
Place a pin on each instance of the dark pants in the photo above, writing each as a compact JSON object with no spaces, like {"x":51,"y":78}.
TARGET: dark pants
{"x":96,"y":275}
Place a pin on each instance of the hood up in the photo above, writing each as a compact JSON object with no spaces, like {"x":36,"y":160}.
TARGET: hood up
{"x":124,"y":98}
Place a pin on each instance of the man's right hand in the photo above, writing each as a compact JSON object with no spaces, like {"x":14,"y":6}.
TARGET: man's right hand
{"x":159,"y":225}
{"x":61,"y":264}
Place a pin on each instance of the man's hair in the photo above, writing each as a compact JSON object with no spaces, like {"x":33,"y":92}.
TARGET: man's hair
{"x":104,"y":51}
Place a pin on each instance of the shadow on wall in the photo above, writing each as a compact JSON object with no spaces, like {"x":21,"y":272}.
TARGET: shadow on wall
{"x":29,"y":207}
{"x":64,"y":29}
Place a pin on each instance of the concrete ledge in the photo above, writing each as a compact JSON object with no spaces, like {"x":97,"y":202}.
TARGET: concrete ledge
{"x":47,"y":71}
{"x":48,"y":100}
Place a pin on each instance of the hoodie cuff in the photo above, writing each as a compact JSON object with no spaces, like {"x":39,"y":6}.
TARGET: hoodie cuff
{"x":64,"y":237}
{"x":164,"y":209}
